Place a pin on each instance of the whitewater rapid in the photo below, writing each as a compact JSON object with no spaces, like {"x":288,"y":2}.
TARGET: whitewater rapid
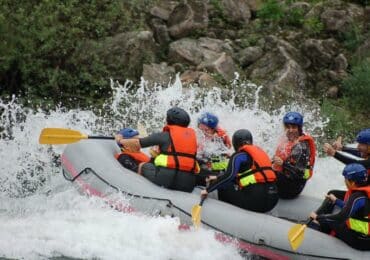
{"x":43,"y":216}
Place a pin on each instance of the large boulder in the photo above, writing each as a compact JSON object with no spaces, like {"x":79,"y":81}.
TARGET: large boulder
{"x":320,"y":52}
{"x":186,"y":17}
{"x":237,"y":11}
{"x":279,"y":69}
{"x":195,"y":51}
{"x":158,"y":73}
{"x":126,"y":53}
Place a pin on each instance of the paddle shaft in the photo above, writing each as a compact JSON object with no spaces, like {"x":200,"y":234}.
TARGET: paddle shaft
{"x":202,"y":200}
{"x":100,"y":137}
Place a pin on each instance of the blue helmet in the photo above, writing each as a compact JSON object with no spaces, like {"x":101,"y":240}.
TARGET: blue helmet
{"x":293,"y":118}
{"x":363,"y":136}
{"x":355,"y":172}
{"x":209,"y":120}
{"x":128,"y":132}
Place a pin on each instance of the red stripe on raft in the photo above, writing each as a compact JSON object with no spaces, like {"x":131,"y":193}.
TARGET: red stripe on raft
{"x":91,"y":191}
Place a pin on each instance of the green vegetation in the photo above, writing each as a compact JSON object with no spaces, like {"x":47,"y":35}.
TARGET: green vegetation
{"x":356,"y":88}
{"x":352,"y":38}
{"x":350,"y":113}
{"x":313,"y":25}
{"x":271,"y":11}
{"x":47,"y":47}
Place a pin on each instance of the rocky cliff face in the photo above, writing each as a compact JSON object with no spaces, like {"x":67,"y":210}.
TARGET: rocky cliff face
{"x":292,"y":49}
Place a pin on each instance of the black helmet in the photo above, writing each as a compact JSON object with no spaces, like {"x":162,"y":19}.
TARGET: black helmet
{"x":242,"y":137}
{"x":177,"y":116}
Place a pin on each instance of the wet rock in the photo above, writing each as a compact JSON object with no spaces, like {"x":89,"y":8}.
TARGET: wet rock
{"x":158,"y":73}
{"x":187,"y":17}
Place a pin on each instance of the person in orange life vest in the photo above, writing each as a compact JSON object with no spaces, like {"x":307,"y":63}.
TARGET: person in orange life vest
{"x":294,"y":158}
{"x":362,"y":152}
{"x":213,"y":144}
{"x":130,"y":160}
{"x":352,"y":223}
{"x":249,"y":181}
{"x":175,"y":166}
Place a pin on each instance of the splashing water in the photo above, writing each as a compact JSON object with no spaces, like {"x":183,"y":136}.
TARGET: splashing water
{"x":43,"y":216}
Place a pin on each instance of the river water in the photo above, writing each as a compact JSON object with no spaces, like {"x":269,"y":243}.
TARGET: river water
{"x":42,"y":216}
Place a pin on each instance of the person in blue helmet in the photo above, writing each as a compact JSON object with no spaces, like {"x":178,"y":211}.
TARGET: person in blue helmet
{"x":130,"y":160}
{"x":213,"y":145}
{"x":362,"y":152}
{"x":294,"y":157}
{"x":352,"y":223}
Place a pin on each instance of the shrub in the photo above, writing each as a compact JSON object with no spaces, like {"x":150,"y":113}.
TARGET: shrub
{"x":271,"y":11}
{"x":356,"y":88}
{"x":313,"y":25}
{"x":42,"y":42}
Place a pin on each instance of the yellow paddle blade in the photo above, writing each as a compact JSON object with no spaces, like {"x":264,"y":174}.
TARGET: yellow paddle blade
{"x":60,"y":136}
{"x":296,"y":235}
{"x":195,"y":215}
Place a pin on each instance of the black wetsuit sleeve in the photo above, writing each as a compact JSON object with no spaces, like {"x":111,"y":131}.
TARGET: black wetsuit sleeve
{"x":349,"y":159}
{"x":298,"y":160}
{"x":233,"y":167}
{"x":162,"y":139}
{"x":346,"y":212}
{"x":351,"y":150}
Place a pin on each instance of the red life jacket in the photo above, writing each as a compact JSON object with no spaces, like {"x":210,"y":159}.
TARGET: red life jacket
{"x":359,"y":225}
{"x":284,"y":151}
{"x":181,"y":154}
{"x":137,"y":156}
{"x":223,"y":135}
{"x":261,"y":170}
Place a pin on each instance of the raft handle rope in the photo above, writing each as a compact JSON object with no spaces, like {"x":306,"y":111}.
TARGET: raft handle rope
{"x":170,"y":205}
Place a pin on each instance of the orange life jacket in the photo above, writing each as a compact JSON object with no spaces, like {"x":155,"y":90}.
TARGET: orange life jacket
{"x":261,"y":170}
{"x":137,"y":156}
{"x":223,"y":135}
{"x":181,"y":154}
{"x":359,"y":225}
{"x":284,"y":151}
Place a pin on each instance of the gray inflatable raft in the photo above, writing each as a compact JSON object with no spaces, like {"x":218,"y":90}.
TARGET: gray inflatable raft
{"x":91,"y":164}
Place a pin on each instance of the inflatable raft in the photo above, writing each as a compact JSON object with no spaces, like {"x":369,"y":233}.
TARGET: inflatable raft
{"x":91,"y":164}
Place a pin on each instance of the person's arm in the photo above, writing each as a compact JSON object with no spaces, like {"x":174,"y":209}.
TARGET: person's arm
{"x":161,"y":139}
{"x":346,"y":159}
{"x":355,"y":202}
{"x":235,"y":162}
{"x":351,"y":150}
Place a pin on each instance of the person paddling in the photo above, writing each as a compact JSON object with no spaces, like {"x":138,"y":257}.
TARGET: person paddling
{"x":294,"y":158}
{"x":352,"y":223}
{"x":175,"y":166}
{"x":249,"y":181}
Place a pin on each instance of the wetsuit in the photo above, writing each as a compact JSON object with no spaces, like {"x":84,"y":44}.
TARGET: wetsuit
{"x":259,"y":197}
{"x":290,"y":180}
{"x":357,"y":206}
